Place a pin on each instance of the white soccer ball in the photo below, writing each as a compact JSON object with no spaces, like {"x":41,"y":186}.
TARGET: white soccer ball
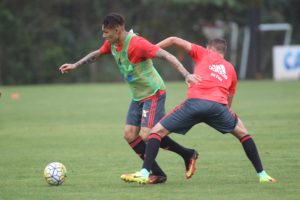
{"x":55,"y":173}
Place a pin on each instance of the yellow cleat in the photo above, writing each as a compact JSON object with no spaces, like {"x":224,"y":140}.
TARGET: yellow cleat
{"x":267,"y":179}
{"x":137,"y":177}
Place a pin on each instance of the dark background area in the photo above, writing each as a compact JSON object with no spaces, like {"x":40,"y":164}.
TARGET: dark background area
{"x":37,"y":36}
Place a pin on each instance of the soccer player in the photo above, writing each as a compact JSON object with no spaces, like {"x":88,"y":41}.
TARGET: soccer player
{"x":133,"y":55}
{"x":207,"y":102}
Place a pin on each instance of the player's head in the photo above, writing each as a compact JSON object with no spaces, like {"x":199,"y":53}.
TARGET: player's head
{"x":113,"y":25}
{"x":218,"y":45}
{"x":113,"y":20}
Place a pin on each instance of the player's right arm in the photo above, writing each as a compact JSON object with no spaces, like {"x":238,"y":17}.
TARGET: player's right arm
{"x":175,"y":41}
{"x":88,"y":59}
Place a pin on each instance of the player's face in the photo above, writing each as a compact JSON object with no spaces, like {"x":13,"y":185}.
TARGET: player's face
{"x":110,"y":34}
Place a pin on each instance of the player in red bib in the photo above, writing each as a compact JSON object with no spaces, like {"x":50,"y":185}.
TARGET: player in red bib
{"x":133,"y":55}
{"x":218,"y":76}
{"x":207,"y":102}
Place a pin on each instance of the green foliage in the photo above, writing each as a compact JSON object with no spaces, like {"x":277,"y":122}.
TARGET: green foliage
{"x":37,"y":36}
{"x":231,"y":3}
{"x":82,"y":127}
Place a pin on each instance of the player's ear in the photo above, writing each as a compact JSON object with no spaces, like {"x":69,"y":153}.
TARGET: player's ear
{"x":118,"y":29}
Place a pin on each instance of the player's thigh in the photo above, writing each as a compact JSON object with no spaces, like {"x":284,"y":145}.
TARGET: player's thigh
{"x":134,"y":113}
{"x":153,"y":110}
{"x":180,"y":119}
{"x":221,"y":118}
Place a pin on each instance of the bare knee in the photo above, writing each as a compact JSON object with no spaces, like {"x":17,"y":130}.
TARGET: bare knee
{"x":131,"y":133}
{"x":159,"y":130}
{"x":145,"y":132}
{"x":240,"y":134}
{"x":240,"y":131}
{"x":128,"y":136}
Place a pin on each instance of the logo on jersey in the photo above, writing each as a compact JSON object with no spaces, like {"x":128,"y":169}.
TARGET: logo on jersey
{"x":145,"y":113}
{"x":219,"y":72}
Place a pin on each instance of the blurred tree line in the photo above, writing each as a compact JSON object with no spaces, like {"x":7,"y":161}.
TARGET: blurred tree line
{"x":37,"y":36}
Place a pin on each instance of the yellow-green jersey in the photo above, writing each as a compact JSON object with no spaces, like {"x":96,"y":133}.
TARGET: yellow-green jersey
{"x":134,"y":60}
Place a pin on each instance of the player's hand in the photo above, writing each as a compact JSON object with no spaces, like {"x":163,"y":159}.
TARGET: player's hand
{"x":65,"y":68}
{"x":193,"y":79}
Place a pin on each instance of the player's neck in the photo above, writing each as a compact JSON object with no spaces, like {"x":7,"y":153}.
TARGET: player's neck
{"x":122,"y":37}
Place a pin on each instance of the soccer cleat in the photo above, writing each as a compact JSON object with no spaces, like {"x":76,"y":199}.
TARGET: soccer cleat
{"x":138,"y":177}
{"x":264,"y":178}
{"x":156,"y":179}
{"x":191,"y":166}
{"x":267,"y":179}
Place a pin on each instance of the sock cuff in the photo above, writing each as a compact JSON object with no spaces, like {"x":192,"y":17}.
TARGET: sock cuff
{"x":145,"y":172}
{"x":154,"y":136}
{"x":262,"y":173}
{"x":135,"y":142}
{"x":245,"y":138}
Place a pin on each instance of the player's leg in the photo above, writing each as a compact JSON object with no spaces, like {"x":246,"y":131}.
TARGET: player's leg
{"x":153,"y":111}
{"x":189,"y":156}
{"x":131,"y":135}
{"x":152,"y":148}
{"x":225,"y":120}
{"x":178,"y":121}
{"x":153,"y":144}
{"x":138,"y":145}
{"x":241,"y":133}
{"x":157,"y":175}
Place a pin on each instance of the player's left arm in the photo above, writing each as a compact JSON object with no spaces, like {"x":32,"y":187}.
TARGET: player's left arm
{"x":175,"y":41}
{"x":147,"y":50}
{"x":189,"y":78}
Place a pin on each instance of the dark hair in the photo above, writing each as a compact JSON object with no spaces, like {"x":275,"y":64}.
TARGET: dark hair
{"x":219,"y":44}
{"x":113,"y":20}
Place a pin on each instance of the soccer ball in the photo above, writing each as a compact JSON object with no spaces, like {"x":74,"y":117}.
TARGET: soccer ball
{"x":55,"y":173}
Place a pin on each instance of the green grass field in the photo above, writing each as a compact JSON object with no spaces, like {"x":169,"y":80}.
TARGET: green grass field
{"x":82,"y":127}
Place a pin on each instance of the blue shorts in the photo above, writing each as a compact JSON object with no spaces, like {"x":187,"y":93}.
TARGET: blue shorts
{"x":147,"y":112}
{"x":195,"y":111}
